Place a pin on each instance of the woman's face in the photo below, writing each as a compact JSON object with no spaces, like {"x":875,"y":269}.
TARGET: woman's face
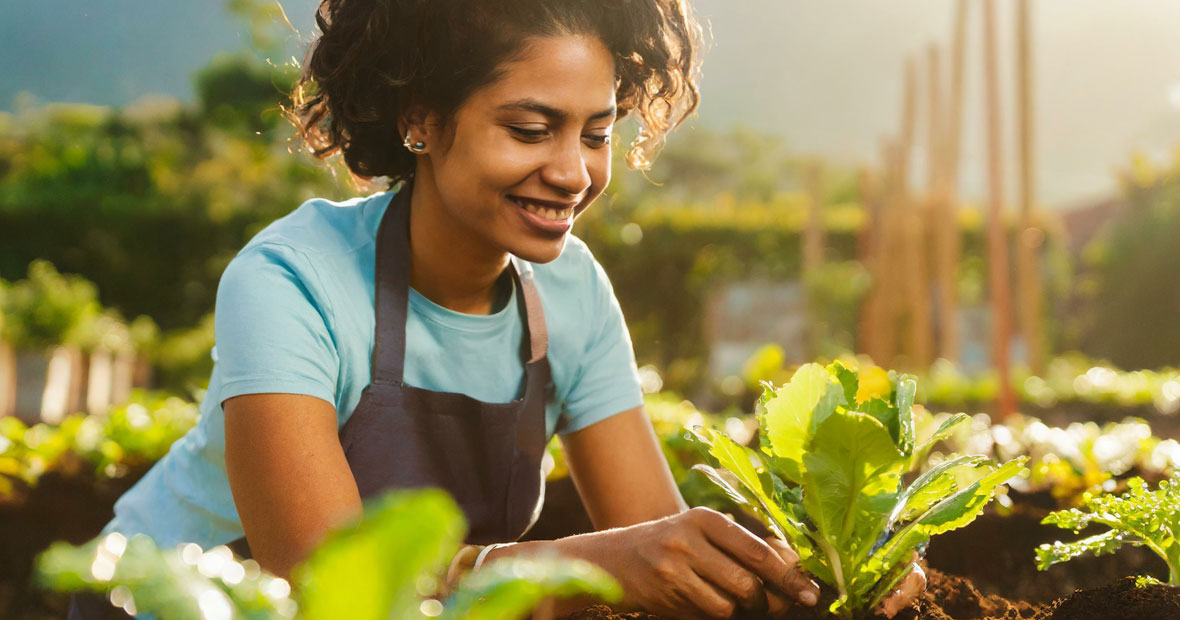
{"x":525,"y":155}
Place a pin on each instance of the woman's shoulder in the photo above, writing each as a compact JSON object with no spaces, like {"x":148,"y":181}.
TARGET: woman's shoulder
{"x":322,"y":226}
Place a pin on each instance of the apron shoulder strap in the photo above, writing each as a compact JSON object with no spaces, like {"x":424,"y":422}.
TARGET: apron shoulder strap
{"x":392,"y":295}
{"x":534,"y":314}
{"x":391,"y":279}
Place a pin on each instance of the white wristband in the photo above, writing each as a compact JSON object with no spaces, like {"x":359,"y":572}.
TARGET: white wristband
{"x":483,"y":555}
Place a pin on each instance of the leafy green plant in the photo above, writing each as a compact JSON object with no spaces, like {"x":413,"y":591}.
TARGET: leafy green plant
{"x":133,"y":435}
{"x":1066,"y":462}
{"x":386,"y":566}
{"x":828,"y":480}
{"x":48,"y":309}
{"x":1140,"y":517}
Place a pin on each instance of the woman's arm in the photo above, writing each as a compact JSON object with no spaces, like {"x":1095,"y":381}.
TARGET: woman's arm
{"x":670,"y":560}
{"x":290,"y":481}
{"x":621,"y":472}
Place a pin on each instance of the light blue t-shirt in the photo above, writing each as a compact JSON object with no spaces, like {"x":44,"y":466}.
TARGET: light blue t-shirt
{"x":295,"y":315}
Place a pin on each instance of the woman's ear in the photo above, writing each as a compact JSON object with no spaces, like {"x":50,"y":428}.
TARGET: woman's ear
{"x":421,"y":129}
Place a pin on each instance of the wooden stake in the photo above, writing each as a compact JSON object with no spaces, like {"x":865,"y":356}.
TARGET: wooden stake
{"x":1030,"y":237}
{"x":868,"y":241}
{"x":950,"y":234}
{"x":894,"y":283}
{"x":912,"y":238}
{"x":884,"y":329}
{"x":997,"y":245}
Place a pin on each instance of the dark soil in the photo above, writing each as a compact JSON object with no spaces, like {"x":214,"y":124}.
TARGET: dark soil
{"x":996,"y":553}
{"x":70,"y":506}
{"x":946,"y":598}
{"x":953,"y":598}
{"x":1123,"y":600}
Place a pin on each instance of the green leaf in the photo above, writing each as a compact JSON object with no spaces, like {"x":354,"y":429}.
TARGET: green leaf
{"x":963,"y":506}
{"x":511,"y":587}
{"x":944,"y":430}
{"x":852,"y":462}
{"x":848,"y":380}
{"x":907,"y":388}
{"x":754,"y":491}
{"x":145,"y":579}
{"x":936,"y":484}
{"x":886,"y":414}
{"x":790,"y":418}
{"x":954,"y":511}
{"x":1099,"y":544}
{"x":374,"y":570}
{"x":1141,"y":516}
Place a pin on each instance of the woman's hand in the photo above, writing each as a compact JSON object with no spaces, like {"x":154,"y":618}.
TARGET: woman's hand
{"x":696,"y":564}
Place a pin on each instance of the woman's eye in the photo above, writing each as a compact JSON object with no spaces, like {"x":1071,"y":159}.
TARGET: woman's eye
{"x":528,"y":134}
{"x":598,"y":140}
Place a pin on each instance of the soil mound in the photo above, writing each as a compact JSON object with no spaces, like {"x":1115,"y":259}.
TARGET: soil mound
{"x":946,"y":598}
{"x":953,"y":598}
{"x":1122,"y":600}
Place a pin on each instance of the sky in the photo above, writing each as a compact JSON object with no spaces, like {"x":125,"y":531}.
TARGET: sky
{"x":824,"y":74}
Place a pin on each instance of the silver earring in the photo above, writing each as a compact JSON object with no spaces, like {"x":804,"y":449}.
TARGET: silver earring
{"x":416,"y":147}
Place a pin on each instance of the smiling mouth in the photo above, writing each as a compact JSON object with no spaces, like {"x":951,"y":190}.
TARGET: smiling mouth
{"x":546,"y":212}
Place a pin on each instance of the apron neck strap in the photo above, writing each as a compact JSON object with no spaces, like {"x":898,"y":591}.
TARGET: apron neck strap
{"x":392,"y":296}
{"x":534,"y":315}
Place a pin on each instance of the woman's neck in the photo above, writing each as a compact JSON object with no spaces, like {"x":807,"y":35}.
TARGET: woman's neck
{"x":449,"y":264}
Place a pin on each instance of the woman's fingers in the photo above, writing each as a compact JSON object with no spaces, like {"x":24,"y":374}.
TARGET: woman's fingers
{"x":798,"y":581}
{"x":717,"y":568}
{"x":711,"y":601}
{"x":910,"y":587}
{"x":778,"y":569}
{"x":778,"y":605}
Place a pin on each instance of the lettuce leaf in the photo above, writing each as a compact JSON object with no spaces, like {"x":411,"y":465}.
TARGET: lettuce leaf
{"x":828,"y":480}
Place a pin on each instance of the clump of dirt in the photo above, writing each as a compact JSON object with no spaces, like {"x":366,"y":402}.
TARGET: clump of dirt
{"x":953,"y":598}
{"x":1123,"y":599}
{"x":602,"y":612}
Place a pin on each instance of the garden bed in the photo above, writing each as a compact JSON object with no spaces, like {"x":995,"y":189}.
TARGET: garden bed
{"x":953,"y":598}
{"x":73,"y":507}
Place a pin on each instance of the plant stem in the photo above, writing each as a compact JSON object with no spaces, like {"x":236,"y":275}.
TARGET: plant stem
{"x":837,"y":569}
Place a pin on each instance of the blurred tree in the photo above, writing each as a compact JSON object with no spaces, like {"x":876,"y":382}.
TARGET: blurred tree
{"x":1132,"y":296}
{"x":240,"y":93}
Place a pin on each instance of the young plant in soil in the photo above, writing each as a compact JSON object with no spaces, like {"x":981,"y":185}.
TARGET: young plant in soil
{"x":387,"y":566}
{"x":828,"y":480}
{"x":1140,"y":517}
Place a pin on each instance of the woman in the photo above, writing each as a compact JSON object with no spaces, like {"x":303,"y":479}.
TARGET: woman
{"x":439,"y":334}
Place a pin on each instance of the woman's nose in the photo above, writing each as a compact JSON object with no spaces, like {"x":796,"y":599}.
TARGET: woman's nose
{"x":567,"y":170}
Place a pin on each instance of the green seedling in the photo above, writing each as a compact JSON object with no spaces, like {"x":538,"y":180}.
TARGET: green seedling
{"x":828,"y":480}
{"x":1139,"y":517}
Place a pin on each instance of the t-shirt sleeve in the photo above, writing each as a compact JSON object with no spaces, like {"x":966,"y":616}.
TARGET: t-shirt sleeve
{"x":607,"y":381}
{"x":271,"y":330}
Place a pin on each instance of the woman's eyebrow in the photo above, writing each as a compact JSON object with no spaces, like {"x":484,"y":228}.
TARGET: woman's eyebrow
{"x":532,"y":105}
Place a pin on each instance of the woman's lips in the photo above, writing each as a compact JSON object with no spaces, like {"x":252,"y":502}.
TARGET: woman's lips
{"x":544,"y":217}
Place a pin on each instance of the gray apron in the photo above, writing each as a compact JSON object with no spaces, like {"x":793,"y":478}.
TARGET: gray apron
{"x":486,"y":455}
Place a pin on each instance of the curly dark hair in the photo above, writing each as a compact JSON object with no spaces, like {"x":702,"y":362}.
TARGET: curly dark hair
{"x":374,"y":57}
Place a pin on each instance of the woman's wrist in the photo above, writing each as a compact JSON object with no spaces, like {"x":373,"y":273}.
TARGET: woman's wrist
{"x":462,"y":563}
{"x":572,"y":547}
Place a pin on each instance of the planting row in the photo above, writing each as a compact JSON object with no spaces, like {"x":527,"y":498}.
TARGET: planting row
{"x":849,"y":472}
{"x":1068,"y":379}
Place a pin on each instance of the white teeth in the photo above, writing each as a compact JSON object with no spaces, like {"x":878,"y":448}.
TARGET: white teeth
{"x":546,"y":212}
